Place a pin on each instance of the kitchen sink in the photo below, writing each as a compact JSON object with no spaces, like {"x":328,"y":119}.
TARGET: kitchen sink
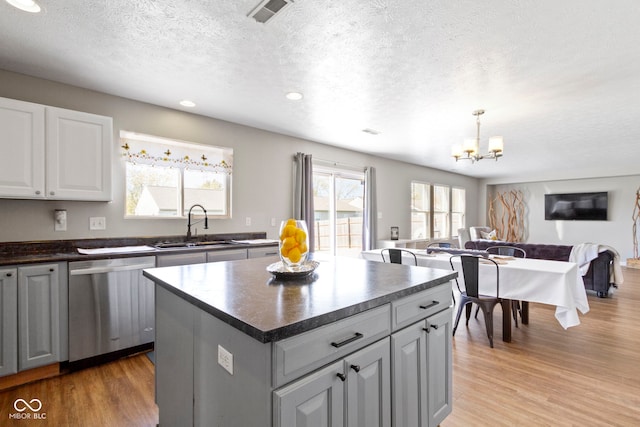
{"x":179,"y":245}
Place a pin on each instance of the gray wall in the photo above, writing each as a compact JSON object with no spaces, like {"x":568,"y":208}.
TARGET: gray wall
{"x":615,"y":232}
{"x":262,"y":178}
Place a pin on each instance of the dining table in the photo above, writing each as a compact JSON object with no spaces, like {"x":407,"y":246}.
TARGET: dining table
{"x":556,"y":283}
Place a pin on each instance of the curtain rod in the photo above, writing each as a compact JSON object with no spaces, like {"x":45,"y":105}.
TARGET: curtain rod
{"x":323,"y":162}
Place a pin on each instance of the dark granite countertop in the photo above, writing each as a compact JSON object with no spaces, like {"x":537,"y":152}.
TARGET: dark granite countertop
{"x":246,"y":296}
{"x":18,"y":253}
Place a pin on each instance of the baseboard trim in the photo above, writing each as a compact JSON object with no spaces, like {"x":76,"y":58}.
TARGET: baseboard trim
{"x":30,"y":375}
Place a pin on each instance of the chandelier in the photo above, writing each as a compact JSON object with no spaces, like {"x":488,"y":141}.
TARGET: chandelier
{"x":471,"y":147}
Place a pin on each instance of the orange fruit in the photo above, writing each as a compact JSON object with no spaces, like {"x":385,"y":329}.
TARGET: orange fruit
{"x":294,"y":255}
{"x":301,"y":236}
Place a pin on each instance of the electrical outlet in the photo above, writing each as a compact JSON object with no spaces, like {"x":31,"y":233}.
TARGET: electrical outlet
{"x":60,"y":220}
{"x":247,"y":221}
{"x":97,"y":223}
{"x":225,"y":359}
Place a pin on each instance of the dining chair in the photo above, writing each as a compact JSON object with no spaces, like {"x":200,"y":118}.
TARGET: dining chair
{"x":507,"y":251}
{"x":515,"y":252}
{"x":471,"y":295}
{"x":394,"y":255}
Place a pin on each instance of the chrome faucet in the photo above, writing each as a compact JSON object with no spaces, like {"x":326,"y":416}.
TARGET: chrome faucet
{"x":189,"y":223}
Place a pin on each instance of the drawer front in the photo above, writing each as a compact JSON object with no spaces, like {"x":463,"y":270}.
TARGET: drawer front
{"x":298,"y":355}
{"x":263,"y":252}
{"x":415,"y":307}
{"x":226,"y":255}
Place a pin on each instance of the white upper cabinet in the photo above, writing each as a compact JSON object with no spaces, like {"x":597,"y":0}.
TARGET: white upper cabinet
{"x":53,"y":153}
{"x":21,"y":149}
{"x":78,"y":155}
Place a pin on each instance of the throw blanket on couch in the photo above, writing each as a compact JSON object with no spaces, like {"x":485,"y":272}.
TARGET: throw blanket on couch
{"x":583,"y":253}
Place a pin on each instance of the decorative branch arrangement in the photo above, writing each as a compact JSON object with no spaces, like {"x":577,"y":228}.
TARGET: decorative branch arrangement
{"x":636,"y":218}
{"x":510,"y":206}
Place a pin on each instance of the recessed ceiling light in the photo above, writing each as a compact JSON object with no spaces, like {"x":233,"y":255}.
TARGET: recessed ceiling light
{"x":294,"y":96}
{"x":26,"y":5}
{"x":187,"y":103}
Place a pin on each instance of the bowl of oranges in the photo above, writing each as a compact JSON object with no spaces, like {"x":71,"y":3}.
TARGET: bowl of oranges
{"x":294,"y":243}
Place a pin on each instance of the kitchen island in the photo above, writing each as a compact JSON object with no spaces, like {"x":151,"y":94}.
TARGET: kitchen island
{"x":237,"y":347}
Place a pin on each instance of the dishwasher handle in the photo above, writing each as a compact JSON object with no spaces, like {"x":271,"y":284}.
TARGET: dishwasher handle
{"x":109,"y":269}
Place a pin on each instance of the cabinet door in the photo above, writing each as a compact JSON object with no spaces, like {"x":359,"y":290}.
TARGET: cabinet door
{"x":9,"y":319}
{"x":368,"y":386}
{"x":409,"y":376}
{"x":181,"y":259}
{"x":264,"y":252}
{"x":78,"y":153}
{"x":22,"y":148}
{"x":38,"y":315}
{"x":313,"y":401}
{"x":226,"y":255}
{"x":439,"y":376}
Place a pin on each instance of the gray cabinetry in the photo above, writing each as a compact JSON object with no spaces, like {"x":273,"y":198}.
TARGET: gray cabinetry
{"x":315,"y":400}
{"x":181,"y":259}
{"x":34,"y":315}
{"x":439,"y":365}
{"x":42,"y":318}
{"x":9,"y":319}
{"x":193,"y":256}
{"x":421,"y":372}
{"x":263,"y":252}
{"x":386,"y":366}
{"x":355,"y":389}
{"x":226,"y":255}
{"x":368,"y":386}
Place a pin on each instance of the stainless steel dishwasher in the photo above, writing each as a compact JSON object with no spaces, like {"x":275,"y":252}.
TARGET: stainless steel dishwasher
{"x":111,"y":306}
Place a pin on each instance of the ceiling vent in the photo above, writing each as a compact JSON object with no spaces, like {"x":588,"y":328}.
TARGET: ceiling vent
{"x":267,"y":9}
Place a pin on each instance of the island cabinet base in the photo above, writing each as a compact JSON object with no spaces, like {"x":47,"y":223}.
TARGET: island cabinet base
{"x":389,"y":365}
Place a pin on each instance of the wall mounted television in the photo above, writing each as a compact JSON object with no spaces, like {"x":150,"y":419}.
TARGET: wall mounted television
{"x":576,"y":206}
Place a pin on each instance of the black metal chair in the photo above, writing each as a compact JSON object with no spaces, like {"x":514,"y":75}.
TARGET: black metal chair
{"x":471,"y":295}
{"x":507,"y":251}
{"x":394,"y":255}
{"x":516,"y":253}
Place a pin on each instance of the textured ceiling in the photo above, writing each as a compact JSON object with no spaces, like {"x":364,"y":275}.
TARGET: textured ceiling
{"x":559,"y":80}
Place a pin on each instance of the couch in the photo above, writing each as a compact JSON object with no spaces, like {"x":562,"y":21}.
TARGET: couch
{"x":599,"y":276}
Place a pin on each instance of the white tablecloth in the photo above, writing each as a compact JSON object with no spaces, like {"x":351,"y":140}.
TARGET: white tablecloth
{"x":549,"y":282}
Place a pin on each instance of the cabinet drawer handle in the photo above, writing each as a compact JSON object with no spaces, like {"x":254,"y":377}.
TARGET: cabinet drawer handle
{"x":342,"y":376}
{"x":37,"y":192}
{"x":355,"y":368}
{"x":433,"y":304}
{"x":427,"y":330}
{"x":271,"y":253}
{"x":9,"y":274}
{"x":52,"y":270}
{"x":357,"y":336}
{"x":53,"y":193}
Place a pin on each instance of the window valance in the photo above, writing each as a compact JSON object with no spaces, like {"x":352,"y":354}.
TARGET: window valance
{"x":156,"y":151}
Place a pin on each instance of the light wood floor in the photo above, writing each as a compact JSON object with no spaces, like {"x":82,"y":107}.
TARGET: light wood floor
{"x":588,"y":375}
{"x":116,"y":394}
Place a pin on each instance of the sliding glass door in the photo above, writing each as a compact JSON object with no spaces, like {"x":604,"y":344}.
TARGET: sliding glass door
{"x":338,"y":211}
